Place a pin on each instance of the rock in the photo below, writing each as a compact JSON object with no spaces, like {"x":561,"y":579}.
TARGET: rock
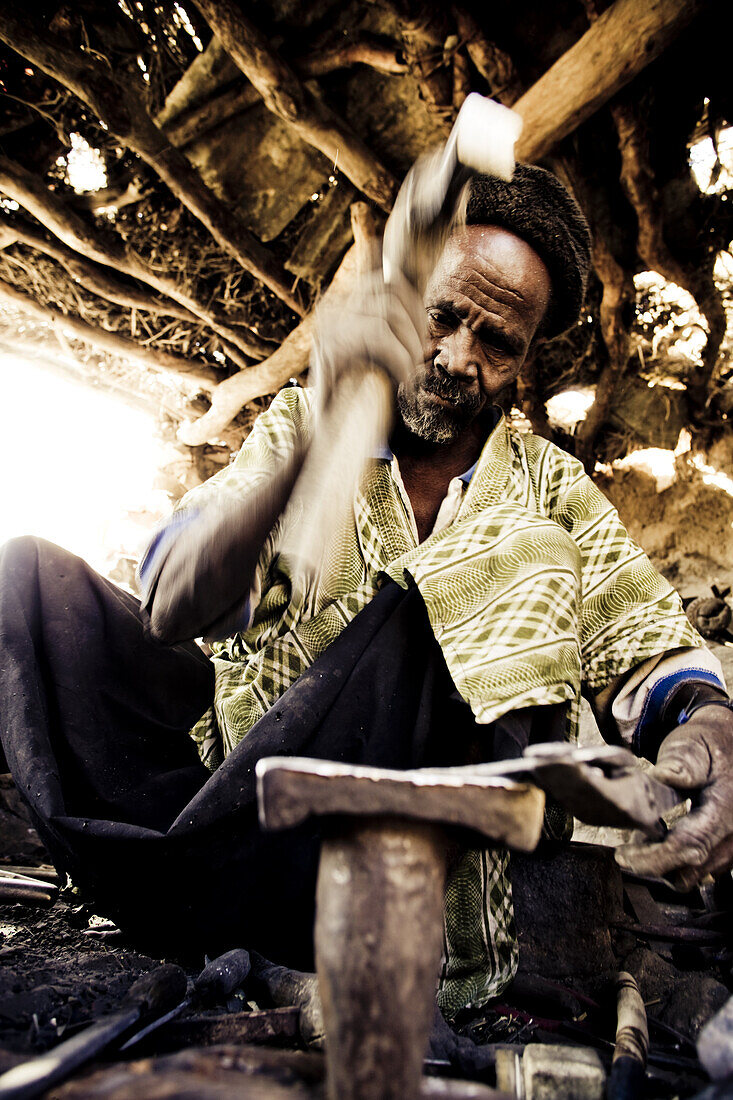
{"x":655,"y":977}
{"x":715,"y":1043}
{"x":325,"y":236}
{"x":554,"y":1072}
{"x":259,"y":164}
{"x":695,"y":998}
{"x":563,"y":905}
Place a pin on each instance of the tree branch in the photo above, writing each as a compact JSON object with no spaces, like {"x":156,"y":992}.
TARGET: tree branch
{"x":213,"y":101}
{"x":108,"y":249}
{"x":91,"y":276}
{"x":364,"y":50}
{"x":120,"y":105}
{"x":288,"y":98}
{"x":110,"y":342}
{"x":70,"y":367}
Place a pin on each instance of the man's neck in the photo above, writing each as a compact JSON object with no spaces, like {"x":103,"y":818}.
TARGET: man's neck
{"x":427,"y":469}
{"x":451,"y":459}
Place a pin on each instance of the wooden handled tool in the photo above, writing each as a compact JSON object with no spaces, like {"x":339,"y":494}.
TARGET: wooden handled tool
{"x":154,"y":994}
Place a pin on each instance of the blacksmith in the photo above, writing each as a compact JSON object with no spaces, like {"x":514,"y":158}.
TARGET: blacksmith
{"x":481,"y":583}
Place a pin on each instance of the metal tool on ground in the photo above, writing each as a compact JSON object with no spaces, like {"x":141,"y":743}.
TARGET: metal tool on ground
{"x":626,"y":1081}
{"x":291,"y":987}
{"x":379,"y":923}
{"x":153,"y":995}
{"x":222,"y":976}
{"x":21,"y":884}
{"x":26,"y":891}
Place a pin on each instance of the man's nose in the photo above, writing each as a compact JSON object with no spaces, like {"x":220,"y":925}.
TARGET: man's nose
{"x":458,"y":354}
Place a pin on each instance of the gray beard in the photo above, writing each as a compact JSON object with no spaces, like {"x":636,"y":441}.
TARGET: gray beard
{"x":431,"y":422}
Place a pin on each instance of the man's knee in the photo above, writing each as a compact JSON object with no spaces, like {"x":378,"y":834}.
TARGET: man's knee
{"x":30,"y":551}
{"x":20,"y":555}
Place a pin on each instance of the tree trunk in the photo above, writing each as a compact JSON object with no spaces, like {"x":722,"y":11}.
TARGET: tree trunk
{"x":616,"y":304}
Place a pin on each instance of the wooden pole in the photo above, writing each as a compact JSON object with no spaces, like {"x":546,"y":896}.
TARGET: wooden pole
{"x":622,"y":42}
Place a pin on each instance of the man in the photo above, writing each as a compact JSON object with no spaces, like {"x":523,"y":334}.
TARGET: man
{"x":478,"y":581}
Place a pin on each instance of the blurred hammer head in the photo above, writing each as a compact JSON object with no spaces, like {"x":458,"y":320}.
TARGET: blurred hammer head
{"x":430,"y":203}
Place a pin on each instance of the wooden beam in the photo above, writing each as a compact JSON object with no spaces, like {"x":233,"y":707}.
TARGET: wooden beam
{"x":208,"y":72}
{"x":215,"y":100}
{"x":111,"y":342}
{"x":622,"y":42}
{"x":120,"y":104}
{"x":494,"y":65}
{"x":287,"y":97}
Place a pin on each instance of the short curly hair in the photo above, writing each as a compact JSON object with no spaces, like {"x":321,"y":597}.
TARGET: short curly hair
{"x":539,"y":208}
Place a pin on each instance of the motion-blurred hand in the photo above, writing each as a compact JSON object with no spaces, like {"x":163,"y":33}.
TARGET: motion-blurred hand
{"x":205,"y":578}
{"x":378,"y":325}
{"x":696,"y":759}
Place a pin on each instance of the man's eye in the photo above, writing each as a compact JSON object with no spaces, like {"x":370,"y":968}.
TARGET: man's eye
{"x":439,"y":318}
{"x":494,"y":345}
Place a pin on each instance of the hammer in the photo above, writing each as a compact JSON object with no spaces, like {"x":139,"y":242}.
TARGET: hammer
{"x":355,"y":367}
{"x":379,"y":903}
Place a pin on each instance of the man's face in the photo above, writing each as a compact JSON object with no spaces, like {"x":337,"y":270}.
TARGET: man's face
{"x":484,"y":302}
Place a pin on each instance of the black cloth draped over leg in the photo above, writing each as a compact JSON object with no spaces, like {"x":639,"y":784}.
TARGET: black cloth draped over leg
{"x":94,"y":721}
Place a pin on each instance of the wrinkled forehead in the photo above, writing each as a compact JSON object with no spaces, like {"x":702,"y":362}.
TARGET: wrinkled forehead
{"x":495,"y":257}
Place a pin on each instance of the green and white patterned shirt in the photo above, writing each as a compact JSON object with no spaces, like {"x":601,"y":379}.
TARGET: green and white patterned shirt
{"x":533,"y":590}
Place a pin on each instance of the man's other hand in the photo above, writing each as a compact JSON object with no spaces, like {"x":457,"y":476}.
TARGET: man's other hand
{"x":696,"y":759}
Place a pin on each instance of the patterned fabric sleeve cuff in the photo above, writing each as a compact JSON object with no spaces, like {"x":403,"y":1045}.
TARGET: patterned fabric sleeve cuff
{"x":157,"y":551}
{"x":660,"y":714}
{"x":643,"y":695}
{"x":153,"y":560}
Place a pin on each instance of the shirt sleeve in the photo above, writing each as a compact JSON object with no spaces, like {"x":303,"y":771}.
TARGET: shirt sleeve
{"x":273,"y":437}
{"x":629,"y":612}
{"x":643,"y":695}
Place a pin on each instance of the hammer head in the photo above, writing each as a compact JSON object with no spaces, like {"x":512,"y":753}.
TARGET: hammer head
{"x":291,"y":789}
{"x":430,"y":202}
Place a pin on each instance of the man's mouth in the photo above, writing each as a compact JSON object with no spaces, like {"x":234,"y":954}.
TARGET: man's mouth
{"x":451,"y":395}
{"x":446,"y":401}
